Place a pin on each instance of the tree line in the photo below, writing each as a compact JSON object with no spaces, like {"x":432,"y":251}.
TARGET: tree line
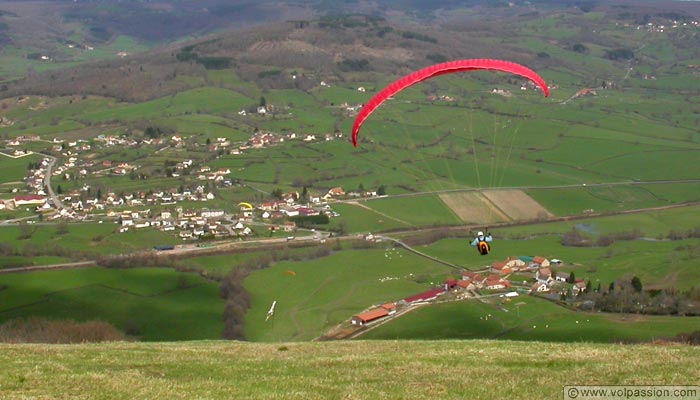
{"x":627,"y":295}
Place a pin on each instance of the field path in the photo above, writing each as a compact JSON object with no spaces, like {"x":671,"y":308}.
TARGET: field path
{"x":78,"y":264}
{"x":412,"y":250}
{"x":357,"y":203}
{"x":295,"y":309}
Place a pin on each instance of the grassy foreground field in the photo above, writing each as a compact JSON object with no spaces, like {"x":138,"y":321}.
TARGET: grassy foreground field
{"x":335,"y":370}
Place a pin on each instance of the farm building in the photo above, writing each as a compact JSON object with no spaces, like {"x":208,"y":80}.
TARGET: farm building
{"x":562,"y":276}
{"x":473,"y":276}
{"x":539,"y":288}
{"x":465,"y":284}
{"x":390,"y":307}
{"x":515,"y":263}
{"x":425,"y":296}
{"x":544,"y":275}
{"x":369,"y":316}
{"x":543,"y":262}
{"x":494,"y":282}
{"x":450,"y":283}
{"x":29,"y":200}
{"x":501,"y":268}
{"x":579,"y":286}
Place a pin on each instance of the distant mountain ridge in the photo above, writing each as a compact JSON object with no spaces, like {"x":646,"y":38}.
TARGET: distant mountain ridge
{"x":305,"y":44}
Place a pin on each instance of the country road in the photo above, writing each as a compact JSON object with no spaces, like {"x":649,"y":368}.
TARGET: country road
{"x":47,"y":182}
{"x":569,"y":186}
{"x":68,"y":265}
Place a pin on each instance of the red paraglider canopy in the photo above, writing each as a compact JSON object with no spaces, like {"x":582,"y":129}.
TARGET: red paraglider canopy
{"x":441,"y":69}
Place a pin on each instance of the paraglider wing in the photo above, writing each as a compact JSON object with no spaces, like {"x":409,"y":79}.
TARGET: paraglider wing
{"x":245,"y":205}
{"x":441,"y":69}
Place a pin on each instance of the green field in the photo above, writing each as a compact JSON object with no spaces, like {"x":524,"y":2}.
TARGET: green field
{"x":147,"y":303}
{"x":527,"y":318}
{"x":91,"y":238}
{"x":15,"y":169}
{"x":331,"y":289}
{"x":317,"y":294}
{"x":447,"y":369}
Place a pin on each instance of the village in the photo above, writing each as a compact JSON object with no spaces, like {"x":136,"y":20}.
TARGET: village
{"x":166,"y":209}
{"x":133,"y":210}
{"x":506,"y":279}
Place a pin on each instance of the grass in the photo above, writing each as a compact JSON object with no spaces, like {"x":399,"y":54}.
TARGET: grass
{"x":415,"y":210}
{"x":89,"y":237}
{"x":315,"y":294}
{"x":530,"y":319}
{"x":326,"y":291}
{"x":356,"y":218}
{"x":15,"y":169}
{"x":148,"y":303}
{"x":448,"y":369}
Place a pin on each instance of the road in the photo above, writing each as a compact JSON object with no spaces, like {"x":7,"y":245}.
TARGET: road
{"x":569,"y":186}
{"x":47,"y":183}
{"x":79,"y":264}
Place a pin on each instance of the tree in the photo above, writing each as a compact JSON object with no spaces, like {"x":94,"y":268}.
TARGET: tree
{"x":637,"y":284}
{"x":25,"y":230}
{"x":59,"y":189}
{"x":62,"y":228}
{"x":277,"y":193}
{"x":208,"y":141}
{"x":263,"y":102}
{"x":579,"y":48}
{"x":572,"y":278}
{"x":381,"y":190}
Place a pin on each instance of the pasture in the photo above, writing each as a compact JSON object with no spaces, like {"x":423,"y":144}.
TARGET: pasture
{"x":90,"y":238}
{"x":14,"y":170}
{"x":529,"y":319}
{"x":327,"y":291}
{"x":151,"y":304}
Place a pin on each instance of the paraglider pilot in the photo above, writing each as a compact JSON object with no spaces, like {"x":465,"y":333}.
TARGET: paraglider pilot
{"x":481,"y":242}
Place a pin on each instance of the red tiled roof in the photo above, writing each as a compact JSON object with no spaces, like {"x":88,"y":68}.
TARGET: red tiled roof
{"x":430,"y":294}
{"x":373,"y":314}
{"x":498,"y":265}
{"x":30,"y":197}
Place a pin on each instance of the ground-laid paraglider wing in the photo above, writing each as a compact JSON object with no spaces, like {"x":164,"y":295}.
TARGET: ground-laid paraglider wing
{"x":441,"y":69}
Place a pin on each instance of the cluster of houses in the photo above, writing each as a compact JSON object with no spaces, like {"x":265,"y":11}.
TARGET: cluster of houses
{"x":494,"y":278}
{"x":191,"y":224}
{"x":261,"y":139}
{"x":136,"y":199}
{"x":660,"y":28}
